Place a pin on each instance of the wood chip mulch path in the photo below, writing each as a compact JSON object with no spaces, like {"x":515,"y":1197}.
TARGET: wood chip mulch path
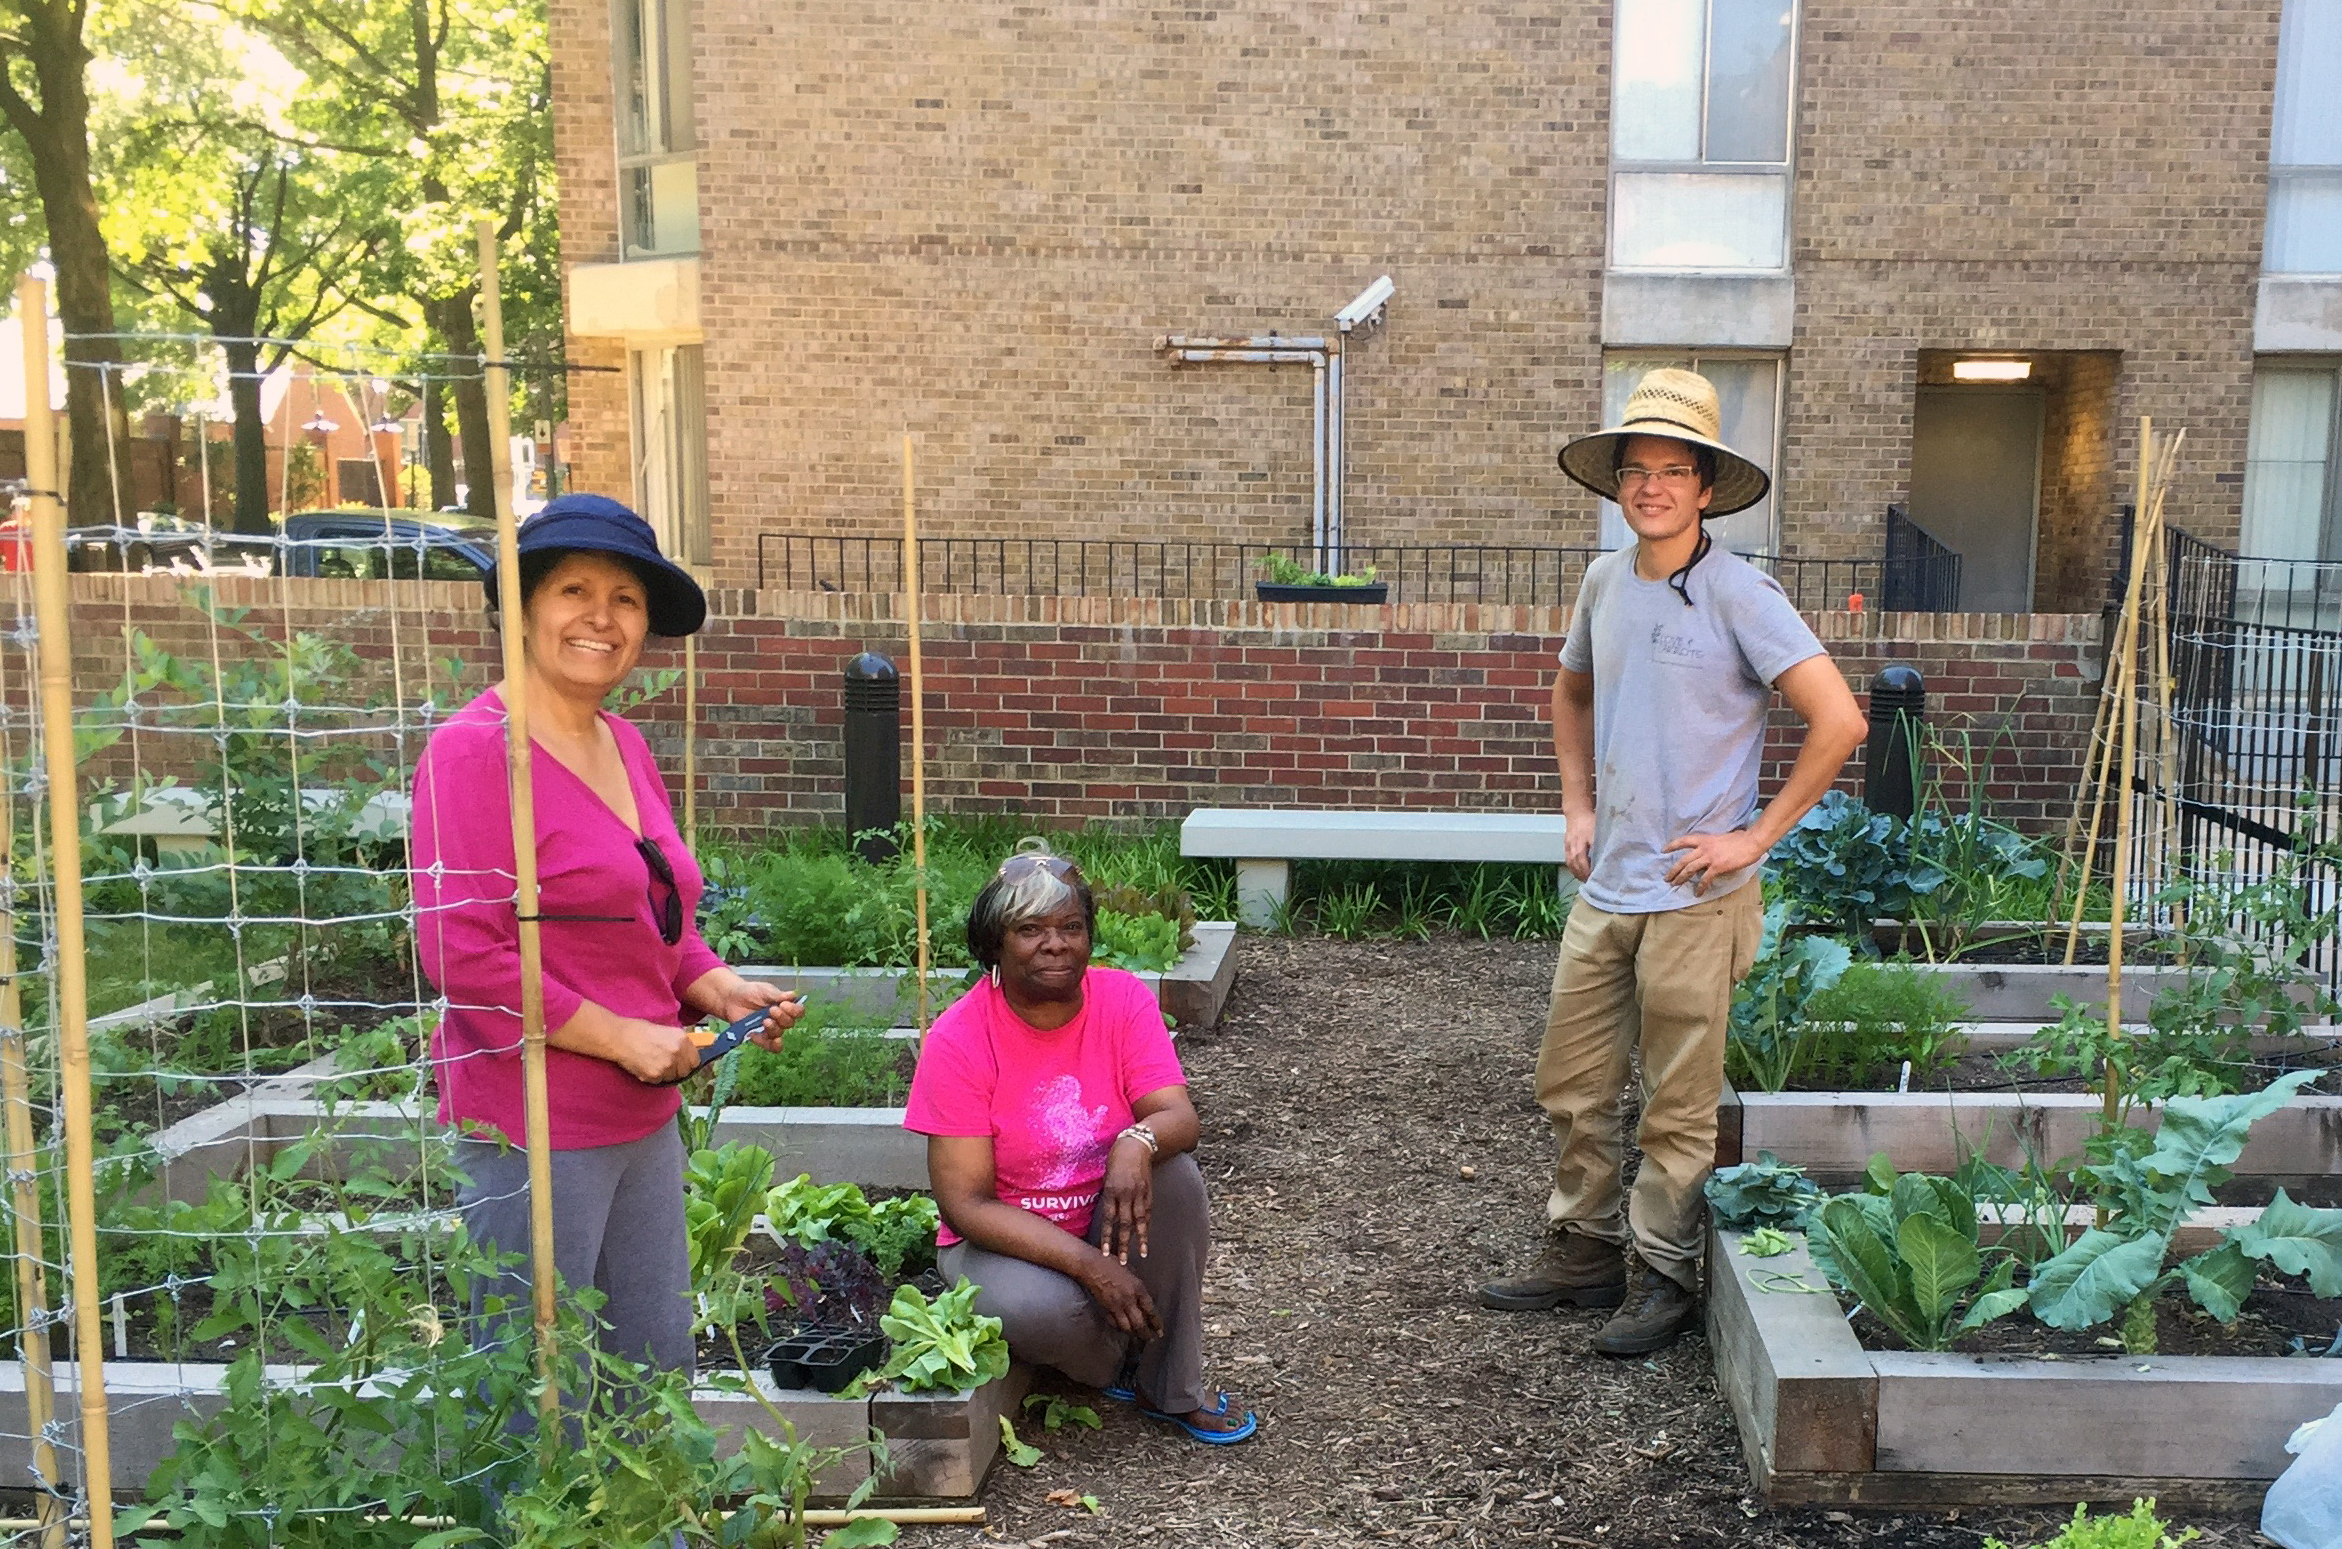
{"x":1375,"y":1153}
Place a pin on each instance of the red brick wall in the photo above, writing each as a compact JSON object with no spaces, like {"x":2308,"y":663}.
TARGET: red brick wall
{"x":1078,"y":708}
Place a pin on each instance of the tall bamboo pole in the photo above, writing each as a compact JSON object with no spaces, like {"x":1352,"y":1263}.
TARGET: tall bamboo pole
{"x":918,"y":717}
{"x":2143,"y":547}
{"x":32,"y":1287}
{"x":691,"y":732}
{"x":536,"y":1101}
{"x":50,"y":606}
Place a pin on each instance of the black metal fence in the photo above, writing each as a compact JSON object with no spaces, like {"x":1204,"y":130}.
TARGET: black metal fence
{"x":2251,"y":784}
{"x":1922,"y":573}
{"x":1918,"y":572}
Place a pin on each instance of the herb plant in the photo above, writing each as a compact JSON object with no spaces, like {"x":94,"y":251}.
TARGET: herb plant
{"x":1878,"y":1015}
{"x":2141,"y":1529}
{"x":1285,"y":571}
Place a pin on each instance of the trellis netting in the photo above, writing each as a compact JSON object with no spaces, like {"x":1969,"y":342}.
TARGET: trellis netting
{"x":279,"y":1267}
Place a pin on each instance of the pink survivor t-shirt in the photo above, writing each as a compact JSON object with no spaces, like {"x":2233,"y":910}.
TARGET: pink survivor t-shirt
{"x":1051,"y":1103}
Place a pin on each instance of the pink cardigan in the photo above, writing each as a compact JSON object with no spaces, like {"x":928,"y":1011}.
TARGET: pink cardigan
{"x":467,"y":934}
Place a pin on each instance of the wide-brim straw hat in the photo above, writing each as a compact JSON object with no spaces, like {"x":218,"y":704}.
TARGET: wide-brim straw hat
{"x":1680,"y":405}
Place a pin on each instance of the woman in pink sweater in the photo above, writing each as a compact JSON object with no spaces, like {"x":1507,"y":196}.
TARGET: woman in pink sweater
{"x":626,"y":975}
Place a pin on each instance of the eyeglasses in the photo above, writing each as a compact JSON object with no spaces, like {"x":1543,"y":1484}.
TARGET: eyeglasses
{"x":1026,"y":862}
{"x":669,"y":912}
{"x":1675,"y":473}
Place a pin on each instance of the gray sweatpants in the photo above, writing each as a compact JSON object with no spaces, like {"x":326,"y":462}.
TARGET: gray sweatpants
{"x":1051,"y":1321}
{"x":617,"y":1227}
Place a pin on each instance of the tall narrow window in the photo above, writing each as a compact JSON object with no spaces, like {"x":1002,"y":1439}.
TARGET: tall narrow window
{"x":2305,"y":144}
{"x":1748,"y":391}
{"x":2289,"y":474}
{"x":668,"y":386}
{"x":658,"y":166}
{"x":1700,"y":107}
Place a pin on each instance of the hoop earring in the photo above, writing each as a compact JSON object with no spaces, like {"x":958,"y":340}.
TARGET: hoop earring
{"x":996,"y":976}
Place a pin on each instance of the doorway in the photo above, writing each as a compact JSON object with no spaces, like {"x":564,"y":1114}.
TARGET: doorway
{"x":1976,"y":485}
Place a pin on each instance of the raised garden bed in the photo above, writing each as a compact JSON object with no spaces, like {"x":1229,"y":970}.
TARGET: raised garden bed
{"x":939,"y":1446}
{"x":1194,"y":991}
{"x":1834,"y":1134}
{"x":1824,"y":1421}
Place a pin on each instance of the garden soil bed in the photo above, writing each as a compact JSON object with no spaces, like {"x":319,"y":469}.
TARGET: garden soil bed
{"x":1982,"y":1070}
{"x":2272,"y":1319}
{"x":1374,"y":1153}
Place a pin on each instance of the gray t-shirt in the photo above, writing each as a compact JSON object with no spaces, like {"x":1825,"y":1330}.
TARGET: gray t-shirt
{"x":1679,"y":714}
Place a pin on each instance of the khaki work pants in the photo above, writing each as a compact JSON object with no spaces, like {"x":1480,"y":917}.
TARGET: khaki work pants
{"x":1661,"y":982}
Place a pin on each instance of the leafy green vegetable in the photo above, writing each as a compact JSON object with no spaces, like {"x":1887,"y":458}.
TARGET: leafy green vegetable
{"x":2142,"y":1529}
{"x":1058,"y":1411}
{"x":898,"y":1233}
{"x":2148,"y":1194}
{"x":1770,"y":1037}
{"x":1911,"y":1256}
{"x":940,"y":1345}
{"x":1015,"y":1449}
{"x":1767,"y":1242}
{"x":1765,"y":1192}
{"x":723,"y":1191}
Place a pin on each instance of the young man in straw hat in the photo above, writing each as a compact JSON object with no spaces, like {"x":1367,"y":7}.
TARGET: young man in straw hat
{"x":1673,"y":655}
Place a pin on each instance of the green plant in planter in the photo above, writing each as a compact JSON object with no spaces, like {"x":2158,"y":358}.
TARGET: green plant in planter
{"x":1912,"y":1255}
{"x":1879,"y":1014}
{"x":1770,"y":1037}
{"x":722,"y":1192}
{"x":2141,"y":1529}
{"x":1283,"y":571}
{"x":943,"y":1345}
{"x":1844,"y":865}
{"x":2147,"y":1192}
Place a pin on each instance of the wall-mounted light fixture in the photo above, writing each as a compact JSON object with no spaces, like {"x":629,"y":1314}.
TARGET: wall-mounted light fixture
{"x":1991,"y":370}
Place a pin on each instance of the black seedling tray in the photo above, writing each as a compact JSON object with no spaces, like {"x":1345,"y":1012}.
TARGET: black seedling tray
{"x":824,"y":1357}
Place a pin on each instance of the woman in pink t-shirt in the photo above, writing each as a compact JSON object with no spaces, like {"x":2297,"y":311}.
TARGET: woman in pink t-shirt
{"x":1061,"y":1150}
{"x":625,"y":973}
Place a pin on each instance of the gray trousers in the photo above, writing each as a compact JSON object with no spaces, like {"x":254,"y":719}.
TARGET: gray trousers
{"x":1051,"y":1321}
{"x":617,"y":1227}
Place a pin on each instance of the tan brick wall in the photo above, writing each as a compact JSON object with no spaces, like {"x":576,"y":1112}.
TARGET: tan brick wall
{"x":1973,"y":177}
{"x":972,"y":221}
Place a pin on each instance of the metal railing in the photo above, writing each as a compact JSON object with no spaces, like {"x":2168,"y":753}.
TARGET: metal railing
{"x":1922,"y":573}
{"x":2255,"y":771}
{"x":1482,"y":573}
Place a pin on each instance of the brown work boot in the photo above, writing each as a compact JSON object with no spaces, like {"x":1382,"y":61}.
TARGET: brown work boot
{"x":1653,"y":1318}
{"x":1583,"y":1271}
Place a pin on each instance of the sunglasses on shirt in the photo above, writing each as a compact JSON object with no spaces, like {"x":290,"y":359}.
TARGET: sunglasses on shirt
{"x":668,"y":911}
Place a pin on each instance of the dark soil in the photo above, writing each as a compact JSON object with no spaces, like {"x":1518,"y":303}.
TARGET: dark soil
{"x":2273,"y":1319}
{"x":1375,"y":1154}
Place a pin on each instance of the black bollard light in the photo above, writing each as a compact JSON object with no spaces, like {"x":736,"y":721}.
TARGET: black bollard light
{"x":874,"y":755}
{"x":1898,"y":711}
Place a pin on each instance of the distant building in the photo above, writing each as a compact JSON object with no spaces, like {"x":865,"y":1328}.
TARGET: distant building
{"x":802,"y":226}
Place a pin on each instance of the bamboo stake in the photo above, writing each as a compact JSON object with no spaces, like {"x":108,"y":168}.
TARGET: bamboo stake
{"x":918,"y":718}
{"x":691,"y":732}
{"x":2094,"y":755}
{"x":536,"y":1100}
{"x":2118,"y":687}
{"x":32,"y":1289}
{"x":2143,"y":547}
{"x":51,"y":608}
{"x":2166,"y":734}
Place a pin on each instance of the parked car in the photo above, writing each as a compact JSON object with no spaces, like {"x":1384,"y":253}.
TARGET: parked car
{"x":359,"y":545}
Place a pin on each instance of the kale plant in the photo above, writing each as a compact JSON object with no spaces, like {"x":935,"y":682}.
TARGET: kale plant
{"x":1770,"y":1038}
{"x":1912,"y":1255}
{"x":1844,"y":865}
{"x":1765,"y":1192}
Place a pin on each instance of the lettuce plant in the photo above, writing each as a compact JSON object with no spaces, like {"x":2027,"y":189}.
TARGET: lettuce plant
{"x":1912,"y":1255}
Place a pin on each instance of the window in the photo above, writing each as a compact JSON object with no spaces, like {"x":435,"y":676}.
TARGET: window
{"x":1700,"y":105}
{"x":2289,"y":477}
{"x":1748,"y":390}
{"x":2304,"y":234}
{"x":658,"y":164}
{"x":670,"y":448}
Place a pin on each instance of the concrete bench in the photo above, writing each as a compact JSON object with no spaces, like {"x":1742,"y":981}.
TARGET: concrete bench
{"x":1264,"y":842}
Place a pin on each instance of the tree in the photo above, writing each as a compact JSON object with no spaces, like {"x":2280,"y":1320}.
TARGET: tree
{"x":223,"y":211}
{"x":44,"y":93}
{"x":450,"y":98}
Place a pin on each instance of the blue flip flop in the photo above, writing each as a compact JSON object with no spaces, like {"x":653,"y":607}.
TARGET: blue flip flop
{"x":1125,"y":1393}
{"x":1243,"y":1432}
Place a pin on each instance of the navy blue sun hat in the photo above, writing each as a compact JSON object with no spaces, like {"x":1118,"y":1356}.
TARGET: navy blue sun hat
{"x":596,"y":524}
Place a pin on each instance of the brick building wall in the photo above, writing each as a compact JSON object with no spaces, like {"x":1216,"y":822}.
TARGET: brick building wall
{"x":972,"y":221}
{"x":1074,"y":709}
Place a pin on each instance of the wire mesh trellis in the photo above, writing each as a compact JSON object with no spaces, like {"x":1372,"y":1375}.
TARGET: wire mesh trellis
{"x":257,"y":1004}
